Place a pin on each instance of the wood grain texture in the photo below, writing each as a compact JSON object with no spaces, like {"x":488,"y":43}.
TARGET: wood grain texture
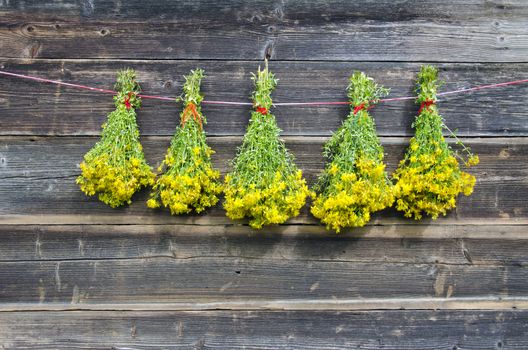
{"x":76,"y":274}
{"x":473,"y":31}
{"x":354,"y":304}
{"x":459,"y":244}
{"x":39,"y":179}
{"x":31,"y":108}
{"x":223,"y":279}
{"x":240,"y":12}
{"x":231,"y":267}
{"x":396,"y":330}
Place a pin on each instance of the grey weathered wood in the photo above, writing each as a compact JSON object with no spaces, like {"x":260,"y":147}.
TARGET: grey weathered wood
{"x":186,"y":268}
{"x":455,"y":244}
{"x":228,"y":267}
{"x":339,"y":30}
{"x":31,"y":108}
{"x":405,"y":330}
{"x":220,"y":279}
{"x":38,"y":177}
{"x":354,"y":304}
{"x":241,"y":12}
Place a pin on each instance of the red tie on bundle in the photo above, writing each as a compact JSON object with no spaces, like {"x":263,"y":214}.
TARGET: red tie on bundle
{"x":190,"y":111}
{"x":361,"y":106}
{"x":262,"y":110}
{"x":127,"y":100}
{"x":426,"y":104}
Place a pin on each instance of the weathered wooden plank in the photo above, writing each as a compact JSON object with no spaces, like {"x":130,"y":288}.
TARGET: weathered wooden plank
{"x":240,"y":12}
{"x":449,"y":244}
{"x":339,"y":30}
{"x":38,"y":178}
{"x":207,"y":279}
{"x":30,"y":108}
{"x":406,"y":330}
{"x":494,"y":303}
{"x":431,"y":261}
{"x":85,"y":219}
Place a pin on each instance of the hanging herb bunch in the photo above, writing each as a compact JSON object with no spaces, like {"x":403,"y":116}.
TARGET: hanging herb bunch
{"x":265,"y":185}
{"x":115,"y":168}
{"x":429,"y":177}
{"x":354,"y":183}
{"x":188,"y":181}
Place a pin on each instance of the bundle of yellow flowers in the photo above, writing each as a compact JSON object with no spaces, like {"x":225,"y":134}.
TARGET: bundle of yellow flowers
{"x":115,"y":168}
{"x":264,"y":185}
{"x":188,"y":181}
{"x":429,"y":177}
{"x":354,"y":183}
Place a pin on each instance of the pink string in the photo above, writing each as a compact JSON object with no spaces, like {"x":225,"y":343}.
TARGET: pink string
{"x":228,"y":103}
{"x":232,"y":103}
{"x":43,"y":80}
{"x":515,"y":82}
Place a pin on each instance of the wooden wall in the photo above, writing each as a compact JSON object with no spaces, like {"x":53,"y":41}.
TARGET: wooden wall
{"x":75,"y":274}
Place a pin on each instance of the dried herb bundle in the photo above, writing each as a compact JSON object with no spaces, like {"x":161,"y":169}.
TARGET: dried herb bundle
{"x":354,"y":183}
{"x":265,"y":185}
{"x":429,"y":177}
{"x":188,"y":181}
{"x":115,"y":168}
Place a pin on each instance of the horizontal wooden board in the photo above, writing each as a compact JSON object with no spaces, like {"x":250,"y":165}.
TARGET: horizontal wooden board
{"x":223,"y":279}
{"x":354,"y":304}
{"x":241,"y":12}
{"x":451,"y":244}
{"x":405,"y":330}
{"x":474,"y":31}
{"x":38,"y":177}
{"x":31,"y":108}
{"x":189,"y":267}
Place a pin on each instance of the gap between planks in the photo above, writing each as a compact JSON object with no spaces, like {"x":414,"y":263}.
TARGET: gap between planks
{"x":370,"y":304}
{"x":378,"y":228}
{"x":146,"y":60}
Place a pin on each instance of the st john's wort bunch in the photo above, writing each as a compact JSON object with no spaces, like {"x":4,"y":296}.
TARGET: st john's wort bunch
{"x":115,"y":168}
{"x":187,"y":180}
{"x":429,"y":178}
{"x":354,"y":183}
{"x":264,"y":185}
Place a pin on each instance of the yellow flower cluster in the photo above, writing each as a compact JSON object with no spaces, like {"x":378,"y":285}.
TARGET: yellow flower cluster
{"x":115,"y":168}
{"x":354,"y":184}
{"x":115,"y":183}
{"x":188,"y":181}
{"x":429,"y":177}
{"x":352,"y":196}
{"x":268,"y":203}
{"x":430,"y":182}
{"x":265,"y":185}
{"x":195,"y":187}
